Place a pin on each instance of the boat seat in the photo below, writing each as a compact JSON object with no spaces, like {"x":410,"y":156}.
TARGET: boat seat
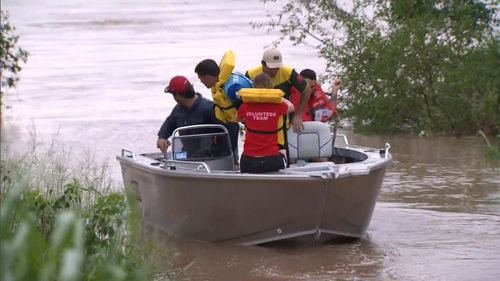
{"x":315,"y":141}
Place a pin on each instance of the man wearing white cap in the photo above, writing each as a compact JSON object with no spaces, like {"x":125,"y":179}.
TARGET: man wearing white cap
{"x":284,"y":78}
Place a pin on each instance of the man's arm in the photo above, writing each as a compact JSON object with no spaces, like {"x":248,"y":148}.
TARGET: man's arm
{"x":291,"y":108}
{"x":166,"y":130}
{"x":305,"y":90}
{"x":336,"y":86}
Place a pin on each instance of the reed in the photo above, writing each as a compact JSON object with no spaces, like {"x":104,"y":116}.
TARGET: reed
{"x":63,"y":223}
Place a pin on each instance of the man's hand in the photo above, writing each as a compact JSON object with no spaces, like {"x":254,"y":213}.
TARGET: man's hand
{"x":163,"y":144}
{"x":297,"y":123}
{"x":311,"y":84}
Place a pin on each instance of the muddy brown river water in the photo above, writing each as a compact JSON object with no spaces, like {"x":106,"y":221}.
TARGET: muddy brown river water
{"x":95,"y":80}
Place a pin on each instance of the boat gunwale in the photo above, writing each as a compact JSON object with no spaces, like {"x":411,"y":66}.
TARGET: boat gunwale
{"x":373,"y":162}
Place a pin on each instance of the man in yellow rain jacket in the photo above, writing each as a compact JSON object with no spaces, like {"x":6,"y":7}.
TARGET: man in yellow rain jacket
{"x":284,"y":77}
{"x":213,"y":77}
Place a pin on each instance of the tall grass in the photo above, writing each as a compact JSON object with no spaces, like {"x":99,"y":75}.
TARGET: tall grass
{"x":64,"y":223}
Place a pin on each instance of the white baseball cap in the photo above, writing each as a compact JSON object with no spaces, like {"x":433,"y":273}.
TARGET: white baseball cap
{"x":272,"y":58}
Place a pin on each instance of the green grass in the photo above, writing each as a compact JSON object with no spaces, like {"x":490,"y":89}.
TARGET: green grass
{"x":63,"y":223}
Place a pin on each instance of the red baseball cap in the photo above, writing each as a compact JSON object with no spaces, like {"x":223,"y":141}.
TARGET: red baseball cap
{"x":179,"y":85}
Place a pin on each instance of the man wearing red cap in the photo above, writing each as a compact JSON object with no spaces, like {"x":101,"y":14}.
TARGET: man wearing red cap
{"x":191,"y":109}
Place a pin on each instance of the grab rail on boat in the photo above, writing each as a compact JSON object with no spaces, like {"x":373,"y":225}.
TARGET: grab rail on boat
{"x":177,"y":135}
{"x":170,"y":164}
{"x":345,"y":139}
{"x":128,"y":153}
{"x":385,"y":150}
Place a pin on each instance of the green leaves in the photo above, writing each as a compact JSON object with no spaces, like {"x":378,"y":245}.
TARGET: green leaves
{"x":11,"y":55}
{"x":46,"y":236}
{"x":420,"y":67}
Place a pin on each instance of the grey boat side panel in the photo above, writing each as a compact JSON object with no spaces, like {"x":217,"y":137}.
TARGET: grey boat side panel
{"x":236,"y":210}
{"x":350,"y":203}
{"x":255,"y":211}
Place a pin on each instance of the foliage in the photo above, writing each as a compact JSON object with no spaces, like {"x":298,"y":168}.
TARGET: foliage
{"x":59,"y":223}
{"x":428,"y":66}
{"x":59,"y":238}
{"x":11,"y":55}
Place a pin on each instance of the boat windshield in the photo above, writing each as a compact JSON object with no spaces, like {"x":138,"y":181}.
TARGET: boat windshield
{"x":201,"y":144}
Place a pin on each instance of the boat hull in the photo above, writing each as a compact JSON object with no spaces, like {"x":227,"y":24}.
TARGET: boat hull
{"x":253,"y":209}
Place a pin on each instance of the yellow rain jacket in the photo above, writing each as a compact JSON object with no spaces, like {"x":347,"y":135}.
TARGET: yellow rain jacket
{"x":225,"y":111}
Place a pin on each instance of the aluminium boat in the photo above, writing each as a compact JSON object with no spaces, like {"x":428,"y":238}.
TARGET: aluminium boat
{"x":195,"y":192}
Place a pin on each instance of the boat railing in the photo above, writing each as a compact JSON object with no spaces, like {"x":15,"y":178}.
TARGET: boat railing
{"x":206,"y":143}
{"x":127,"y":153}
{"x":344,"y":138}
{"x":383,"y":151}
{"x":187,"y":165}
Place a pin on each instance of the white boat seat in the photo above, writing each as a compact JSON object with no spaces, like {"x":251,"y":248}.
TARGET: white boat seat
{"x":315,"y":141}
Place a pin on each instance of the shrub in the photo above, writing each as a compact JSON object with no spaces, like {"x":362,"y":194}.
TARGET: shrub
{"x":60,"y":223}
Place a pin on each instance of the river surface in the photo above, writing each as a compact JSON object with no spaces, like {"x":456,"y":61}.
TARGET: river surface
{"x":95,"y":81}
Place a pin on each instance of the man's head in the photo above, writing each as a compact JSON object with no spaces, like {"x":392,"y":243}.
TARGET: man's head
{"x":180,"y":87}
{"x":271,"y":62}
{"x":208,"y":72}
{"x":308,"y":74}
{"x":310,"y":77}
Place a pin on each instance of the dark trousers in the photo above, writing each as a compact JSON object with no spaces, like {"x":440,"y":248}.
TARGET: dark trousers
{"x":249,"y":164}
{"x":233,"y":128}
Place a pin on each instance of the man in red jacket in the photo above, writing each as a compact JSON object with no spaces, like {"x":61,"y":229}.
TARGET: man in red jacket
{"x":318,"y":107}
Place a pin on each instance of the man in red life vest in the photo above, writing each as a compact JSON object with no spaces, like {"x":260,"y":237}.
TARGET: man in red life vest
{"x":318,"y":107}
{"x":261,"y":151}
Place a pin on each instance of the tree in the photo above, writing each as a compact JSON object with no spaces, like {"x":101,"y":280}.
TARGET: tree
{"x":11,"y":57}
{"x":426,"y":66}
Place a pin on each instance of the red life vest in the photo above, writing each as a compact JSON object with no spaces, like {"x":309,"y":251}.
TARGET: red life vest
{"x":318,"y":103}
